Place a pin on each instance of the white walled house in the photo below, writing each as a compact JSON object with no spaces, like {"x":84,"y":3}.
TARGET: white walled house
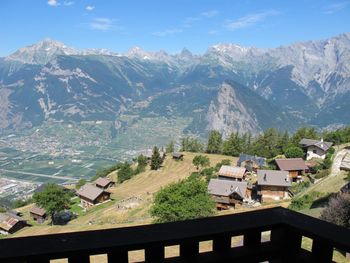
{"x":315,"y":148}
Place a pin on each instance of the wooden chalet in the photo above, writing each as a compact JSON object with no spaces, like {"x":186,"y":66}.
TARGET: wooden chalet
{"x":178,"y":156}
{"x":296,"y":167}
{"x":91,"y":195}
{"x":251,"y":162}
{"x":227,"y":193}
{"x":273,"y":185}
{"x":38,"y":214}
{"x":104,"y":183}
{"x":11,"y":223}
{"x":232,"y":173}
{"x":315,"y":148}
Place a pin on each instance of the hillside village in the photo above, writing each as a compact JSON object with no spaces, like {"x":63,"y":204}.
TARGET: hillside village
{"x":235,"y":184}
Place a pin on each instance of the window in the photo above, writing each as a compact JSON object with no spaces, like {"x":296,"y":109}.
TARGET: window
{"x":314,"y":151}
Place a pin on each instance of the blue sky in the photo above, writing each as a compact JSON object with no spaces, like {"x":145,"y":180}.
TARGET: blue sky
{"x":169,"y":25}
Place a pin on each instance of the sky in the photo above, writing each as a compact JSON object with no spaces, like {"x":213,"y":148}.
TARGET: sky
{"x":169,"y":25}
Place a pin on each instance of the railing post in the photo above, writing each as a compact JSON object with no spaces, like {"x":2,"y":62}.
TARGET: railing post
{"x":189,"y":249}
{"x":321,"y":252}
{"x":289,"y":241}
{"x":221,"y":243}
{"x":80,"y":258}
{"x":118,"y":256}
{"x":252,"y":239}
{"x":154,"y":254}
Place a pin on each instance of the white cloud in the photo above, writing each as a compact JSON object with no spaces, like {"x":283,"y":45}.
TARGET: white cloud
{"x":68,"y":3}
{"x":104,"y":24}
{"x":52,"y":2}
{"x":334,"y":8}
{"x":89,"y":8}
{"x":210,"y":13}
{"x":167,"y":32}
{"x":249,"y":20}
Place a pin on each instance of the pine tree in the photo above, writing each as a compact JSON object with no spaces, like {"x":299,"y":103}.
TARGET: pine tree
{"x":214,"y":142}
{"x":156,"y":160}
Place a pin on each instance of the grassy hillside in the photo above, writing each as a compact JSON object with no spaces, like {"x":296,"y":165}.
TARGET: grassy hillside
{"x":142,"y":186}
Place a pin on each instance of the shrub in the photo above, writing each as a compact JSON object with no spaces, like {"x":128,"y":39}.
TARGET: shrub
{"x":305,"y":201}
{"x":338,"y":210}
{"x":322,"y":173}
{"x":294,"y":152}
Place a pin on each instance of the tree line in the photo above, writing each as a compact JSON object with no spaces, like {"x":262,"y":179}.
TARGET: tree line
{"x":268,"y":144}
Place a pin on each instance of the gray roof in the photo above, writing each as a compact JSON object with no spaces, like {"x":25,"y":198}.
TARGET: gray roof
{"x":177,"y":154}
{"x":245,"y":157}
{"x":232,"y":171}
{"x":320,"y":144}
{"x":227,"y":187}
{"x":90,"y":191}
{"x":273,"y":177}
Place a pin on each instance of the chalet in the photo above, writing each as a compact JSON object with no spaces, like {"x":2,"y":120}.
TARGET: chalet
{"x":232,"y":173}
{"x":11,"y":223}
{"x":178,"y":156}
{"x":227,"y":193}
{"x":104,"y":183}
{"x":315,"y":148}
{"x":91,"y":195}
{"x":273,"y":185}
{"x":295,"y":166}
{"x":251,"y":163}
{"x":38,"y":214}
{"x":345,"y":163}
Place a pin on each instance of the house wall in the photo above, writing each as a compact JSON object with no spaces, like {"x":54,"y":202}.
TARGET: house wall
{"x":37,"y":218}
{"x":315,"y":152}
{"x":273,"y":193}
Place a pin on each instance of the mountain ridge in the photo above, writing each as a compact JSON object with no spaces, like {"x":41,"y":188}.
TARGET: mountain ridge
{"x":51,"y":81}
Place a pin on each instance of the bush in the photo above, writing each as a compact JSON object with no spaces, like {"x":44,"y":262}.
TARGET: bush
{"x":305,"y":201}
{"x":298,"y":187}
{"x":125,"y":173}
{"x":294,"y":152}
{"x":187,"y":199}
{"x":338,"y":210}
{"x":80,"y":183}
{"x":20,"y":203}
{"x":322,"y":173}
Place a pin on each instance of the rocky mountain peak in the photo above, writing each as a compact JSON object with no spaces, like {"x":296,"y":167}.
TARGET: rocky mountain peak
{"x":42,"y":52}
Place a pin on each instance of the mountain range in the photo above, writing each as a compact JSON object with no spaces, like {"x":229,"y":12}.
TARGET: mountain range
{"x":228,"y":88}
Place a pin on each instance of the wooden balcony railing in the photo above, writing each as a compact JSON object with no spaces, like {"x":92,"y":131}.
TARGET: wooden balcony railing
{"x":287,"y":229}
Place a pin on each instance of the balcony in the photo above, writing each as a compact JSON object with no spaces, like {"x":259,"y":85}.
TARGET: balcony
{"x":286,"y":230}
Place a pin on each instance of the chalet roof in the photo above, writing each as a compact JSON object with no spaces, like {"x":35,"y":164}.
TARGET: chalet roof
{"x":103,"y":181}
{"x":291,"y":164}
{"x":320,"y":144}
{"x":232,"y":171}
{"x":227,"y":187}
{"x":37,"y":211}
{"x":177,"y":154}
{"x":8,"y":220}
{"x":90,"y":192}
{"x":245,"y":157}
{"x":273,"y":178}
{"x":345,"y":163}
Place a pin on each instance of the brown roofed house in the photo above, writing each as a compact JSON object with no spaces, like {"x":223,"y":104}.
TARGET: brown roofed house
{"x":295,"y":166}
{"x":38,"y":214}
{"x":273,"y":185}
{"x":91,"y":195}
{"x":104,"y":183}
{"x":227,"y":193}
{"x":232,"y":172}
{"x":11,"y":223}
